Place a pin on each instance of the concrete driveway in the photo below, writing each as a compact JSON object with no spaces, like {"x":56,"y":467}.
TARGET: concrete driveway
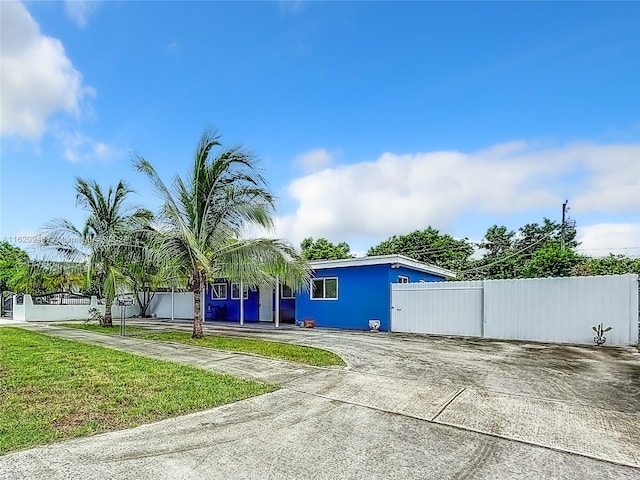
{"x":405,"y":407}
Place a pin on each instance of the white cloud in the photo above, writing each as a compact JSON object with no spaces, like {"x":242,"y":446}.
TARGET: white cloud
{"x":38,"y":79}
{"x":400,"y":193}
{"x":604,"y":238}
{"x":290,"y":6}
{"x":172,"y":47}
{"x":79,"y":10}
{"x":78,"y":147}
{"x":314,"y":160}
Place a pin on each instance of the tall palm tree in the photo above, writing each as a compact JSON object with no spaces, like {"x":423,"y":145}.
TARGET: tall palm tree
{"x":104,"y":243}
{"x":204,"y":217}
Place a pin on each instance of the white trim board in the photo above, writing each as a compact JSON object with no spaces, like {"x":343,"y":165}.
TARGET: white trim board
{"x":400,"y":260}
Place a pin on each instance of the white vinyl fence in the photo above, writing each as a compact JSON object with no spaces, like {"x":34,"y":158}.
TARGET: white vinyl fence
{"x":542,"y":309}
{"x":445,"y":308}
{"x":172,"y":305}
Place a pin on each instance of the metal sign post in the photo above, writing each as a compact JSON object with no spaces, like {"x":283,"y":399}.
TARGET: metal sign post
{"x":124,"y":302}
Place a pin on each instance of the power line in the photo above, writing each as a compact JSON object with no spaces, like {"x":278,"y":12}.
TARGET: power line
{"x":509,"y":256}
{"x":609,"y":248}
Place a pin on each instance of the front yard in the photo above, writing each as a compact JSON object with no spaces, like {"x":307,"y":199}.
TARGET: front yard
{"x":53,"y":389}
{"x":283,"y":351}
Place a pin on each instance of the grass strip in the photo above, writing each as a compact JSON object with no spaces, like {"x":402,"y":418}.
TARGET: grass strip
{"x":114,"y":330}
{"x":53,"y":389}
{"x":283,"y":351}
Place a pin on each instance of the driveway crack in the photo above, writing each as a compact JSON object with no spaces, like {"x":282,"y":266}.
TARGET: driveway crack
{"x":448,"y":403}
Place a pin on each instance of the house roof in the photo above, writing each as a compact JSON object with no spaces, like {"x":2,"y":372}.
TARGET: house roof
{"x":400,"y":260}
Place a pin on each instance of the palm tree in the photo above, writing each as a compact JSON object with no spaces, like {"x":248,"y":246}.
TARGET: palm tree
{"x":104,"y":243}
{"x":201,"y":224}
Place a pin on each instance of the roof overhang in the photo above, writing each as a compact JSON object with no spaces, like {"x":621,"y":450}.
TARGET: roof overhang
{"x":399,"y":260}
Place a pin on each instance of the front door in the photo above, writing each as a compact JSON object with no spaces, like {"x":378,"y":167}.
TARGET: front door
{"x":266,"y":304}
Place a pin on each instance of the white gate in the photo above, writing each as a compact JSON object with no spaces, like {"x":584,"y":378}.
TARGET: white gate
{"x":441,"y":308}
{"x":540,"y":309}
{"x":562,"y":309}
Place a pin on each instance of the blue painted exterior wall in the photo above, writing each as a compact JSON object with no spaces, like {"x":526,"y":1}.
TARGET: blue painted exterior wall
{"x":364,"y":293}
{"x":414,"y":275}
{"x":229,"y":309}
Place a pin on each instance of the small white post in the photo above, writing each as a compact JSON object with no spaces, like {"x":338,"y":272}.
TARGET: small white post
{"x":277,"y":302}
{"x":172,"y":306}
{"x":241,"y":303}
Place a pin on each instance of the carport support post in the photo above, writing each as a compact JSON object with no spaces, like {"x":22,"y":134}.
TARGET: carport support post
{"x":241,"y":303}
{"x":203,"y":296}
{"x":277,"y":319}
{"x":172,"y":305}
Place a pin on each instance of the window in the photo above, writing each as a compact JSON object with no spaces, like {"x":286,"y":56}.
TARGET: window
{"x":324,"y":289}
{"x":403,"y":279}
{"x":286,"y":291}
{"x":235,"y":291}
{"x":219,"y":291}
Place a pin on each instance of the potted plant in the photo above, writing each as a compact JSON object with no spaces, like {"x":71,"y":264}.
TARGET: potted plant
{"x":599,"y":339}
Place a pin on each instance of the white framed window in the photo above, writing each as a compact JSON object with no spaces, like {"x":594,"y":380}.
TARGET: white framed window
{"x":235,"y":291}
{"x":286,"y":291}
{"x":219,"y":291}
{"x":324,"y":288}
{"x":403,"y":279}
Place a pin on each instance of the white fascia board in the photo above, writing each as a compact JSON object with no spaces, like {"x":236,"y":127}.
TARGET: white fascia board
{"x":401,"y":260}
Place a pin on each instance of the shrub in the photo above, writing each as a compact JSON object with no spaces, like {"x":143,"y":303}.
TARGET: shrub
{"x":95,"y":315}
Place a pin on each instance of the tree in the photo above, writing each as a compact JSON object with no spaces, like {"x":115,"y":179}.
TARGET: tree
{"x":143,"y":271}
{"x":500,"y":258}
{"x":42,"y":277}
{"x":323,"y":249}
{"x":428,"y":246}
{"x":533,"y":237}
{"x":204,"y":217}
{"x":609,"y":265}
{"x":552,"y":260}
{"x":13,"y":263}
{"x":104,"y":243}
{"x":508,"y":254}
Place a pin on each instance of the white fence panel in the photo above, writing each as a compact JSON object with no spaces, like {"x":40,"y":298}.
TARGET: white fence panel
{"x":443,"y":308}
{"x":562,"y":309}
{"x":161,"y":305}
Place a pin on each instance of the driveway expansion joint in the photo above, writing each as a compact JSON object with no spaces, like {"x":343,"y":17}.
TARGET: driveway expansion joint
{"x":448,"y":403}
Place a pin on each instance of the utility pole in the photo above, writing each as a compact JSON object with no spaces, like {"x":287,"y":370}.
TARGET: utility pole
{"x":564,"y":210}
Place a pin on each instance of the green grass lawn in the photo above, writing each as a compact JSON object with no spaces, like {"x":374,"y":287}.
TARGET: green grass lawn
{"x":115,"y":330}
{"x":284,"y":351}
{"x":53,"y":389}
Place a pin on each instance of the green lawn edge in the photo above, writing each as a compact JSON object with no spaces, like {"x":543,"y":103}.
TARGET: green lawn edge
{"x":53,"y":389}
{"x":266,"y":348}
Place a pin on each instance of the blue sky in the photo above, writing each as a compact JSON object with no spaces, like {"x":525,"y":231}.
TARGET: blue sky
{"x":370,"y":118}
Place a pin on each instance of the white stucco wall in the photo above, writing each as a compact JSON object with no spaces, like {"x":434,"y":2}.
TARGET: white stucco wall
{"x":53,"y":313}
{"x":130,"y":311}
{"x":18,"y":311}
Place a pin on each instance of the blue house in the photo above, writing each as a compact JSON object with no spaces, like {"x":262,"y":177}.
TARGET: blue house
{"x":265,"y":304}
{"x":348,"y":293}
